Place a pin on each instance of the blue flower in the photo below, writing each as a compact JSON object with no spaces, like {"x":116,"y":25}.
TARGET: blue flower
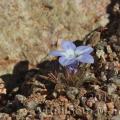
{"x":72,"y":68}
{"x":72,"y":54}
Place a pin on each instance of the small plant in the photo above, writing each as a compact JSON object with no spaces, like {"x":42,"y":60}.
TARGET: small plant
{"x":73,"y":73}
{"x":71,"y":56}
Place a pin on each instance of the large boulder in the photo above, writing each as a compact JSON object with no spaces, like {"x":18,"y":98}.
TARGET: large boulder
{"x":28,"y":28}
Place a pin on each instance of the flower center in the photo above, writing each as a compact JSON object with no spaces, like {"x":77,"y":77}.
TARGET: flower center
{"x":70,"y":53}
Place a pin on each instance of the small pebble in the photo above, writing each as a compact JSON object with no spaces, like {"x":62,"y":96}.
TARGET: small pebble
{"x":31,"y":104}
{"x":100,"y":107}
{"x":100,"y":54}
{"x":82,"y":92}
{"x":22,"y":112}
{"x":5,"y":116}
{"x":90,"y":102}
{"x":115,"y":79}
{"x":83,"y":101}
{"x":79,"y":111}
{"x":110,"y":106}
{"x":72,"y":92}
{"x":109,"y":50}
{"x":95,"y":87}
{"x":111,"y":88}
{"x":20,"y":98}
{"x":54,"y":94}
{"x":116,"y":117}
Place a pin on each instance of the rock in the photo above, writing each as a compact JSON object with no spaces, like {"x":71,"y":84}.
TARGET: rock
{"x":3,"y":89}
{"x":30,"y":115}
{"x":103,"y":76}
{"x":82,"y":92}
{"x":100,"y":54}
{"x":116,"y":80}
{"x":109,"y":49}
{"x":31,"y":105}
{"x":100,"y":107}
{"x":91,"y":101}
{"x":116,"y":117}
{"x":34,"y":100}
{"x":21,"y":113}
{"x":95,"y":87}
{"x":63,"y":99}
{"x":111,"y":88}
{"x":20,"y":98}
{"x":83,"y":101}
{"x":79,"y":111}
{"x":87,"y":116}
{"x":72,"y":92}
{"x":116,"y":101}
{"x":110,"y":106}
{"x":54,"y":95}
{"x":29,"y":28}
{"x":5,"y":116}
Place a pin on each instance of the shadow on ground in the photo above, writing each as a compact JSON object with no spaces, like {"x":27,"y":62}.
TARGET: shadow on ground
{"x":19,"y":72}
{"x":113,"y":10}
{"x":21,"y":69}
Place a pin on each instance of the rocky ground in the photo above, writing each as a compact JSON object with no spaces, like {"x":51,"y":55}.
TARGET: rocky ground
{"x":46,"y":91}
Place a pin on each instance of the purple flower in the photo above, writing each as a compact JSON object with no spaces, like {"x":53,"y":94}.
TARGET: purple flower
{"x":72,"y":54}
{"x":72,"y":68}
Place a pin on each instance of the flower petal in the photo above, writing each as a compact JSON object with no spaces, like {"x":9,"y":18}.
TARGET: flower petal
{"x":73,"y":67}
{"x":57,"y":53}
{"x":64,"y":61}
{"x":68,"y":45}
{"x":83,"y":50}
{"x":85,"y":58}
